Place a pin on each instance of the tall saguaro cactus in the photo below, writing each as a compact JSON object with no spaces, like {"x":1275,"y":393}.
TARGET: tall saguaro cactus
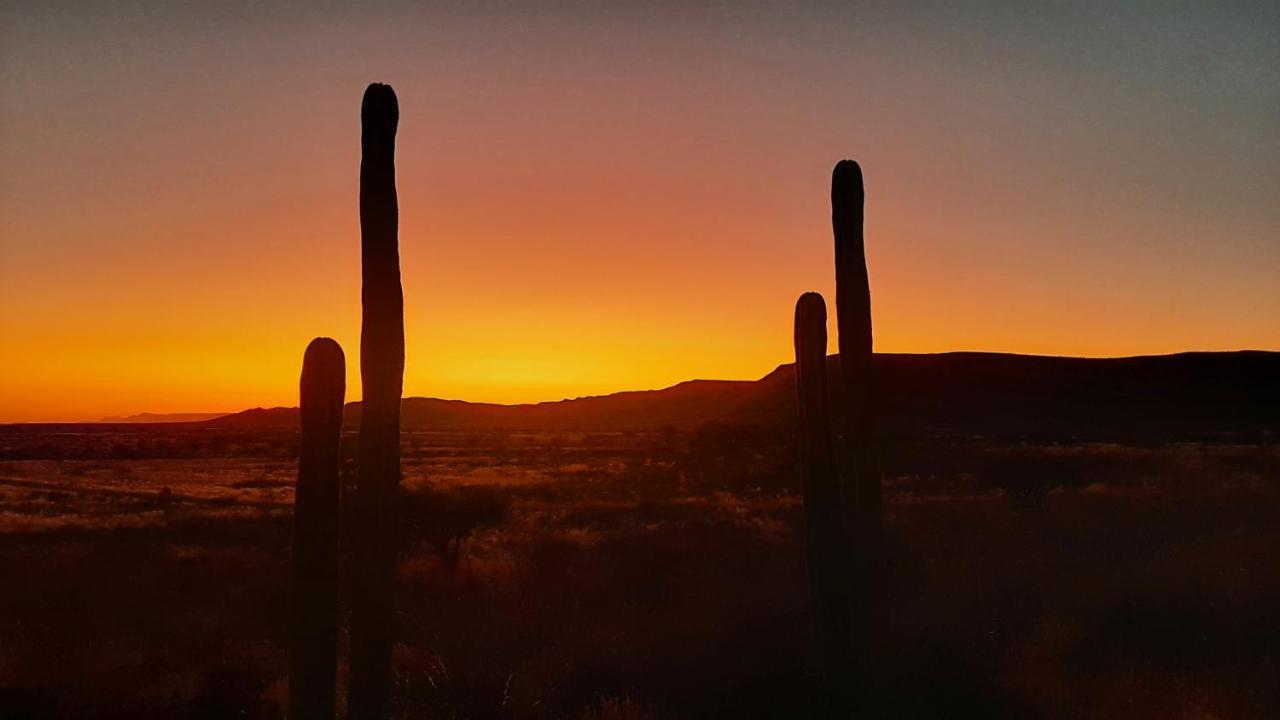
{"x":382,"y":377}
{"x":823,"y":508}
{"x":314,"y":634}
{"x":859,"y":464}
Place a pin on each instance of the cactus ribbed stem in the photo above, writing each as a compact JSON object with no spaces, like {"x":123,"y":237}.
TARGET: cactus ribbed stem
{"x":823,"y":508}
{"x":314,"y":633}
{"x":858,"y":459}
{"x":382,"y":377}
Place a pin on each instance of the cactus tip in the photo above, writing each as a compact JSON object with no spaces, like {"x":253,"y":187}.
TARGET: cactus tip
{"x":848,"y":168}
{"x":811,"y":321}
{"x":811,"y":302}
{"x":846,"y":179}
{"x":380,"y":107}
{"x":323,"y":349}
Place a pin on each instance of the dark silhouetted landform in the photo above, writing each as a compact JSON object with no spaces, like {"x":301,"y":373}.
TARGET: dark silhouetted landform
{"x":147,"y":418}
{"x":1183,"y":396}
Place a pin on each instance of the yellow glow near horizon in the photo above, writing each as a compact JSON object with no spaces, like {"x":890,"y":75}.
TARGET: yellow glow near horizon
{"x":600,"y":200}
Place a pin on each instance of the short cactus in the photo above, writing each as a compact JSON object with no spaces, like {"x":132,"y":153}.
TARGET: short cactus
{"x":823,"y":506}
{"x":314,"y":633}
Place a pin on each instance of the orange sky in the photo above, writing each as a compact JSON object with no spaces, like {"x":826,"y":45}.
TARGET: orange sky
{"x":597,"y":198}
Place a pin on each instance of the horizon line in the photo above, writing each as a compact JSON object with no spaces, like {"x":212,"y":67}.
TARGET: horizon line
{"x":122,"y":419}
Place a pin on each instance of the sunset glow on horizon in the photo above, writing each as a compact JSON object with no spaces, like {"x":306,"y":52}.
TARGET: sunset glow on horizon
{"x":594,"y":200}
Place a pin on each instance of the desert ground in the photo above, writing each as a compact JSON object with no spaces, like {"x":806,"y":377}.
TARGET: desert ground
{"x":646,"y":575}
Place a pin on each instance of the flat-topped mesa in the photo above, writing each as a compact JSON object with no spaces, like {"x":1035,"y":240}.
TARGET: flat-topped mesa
{"x":382,"y":377}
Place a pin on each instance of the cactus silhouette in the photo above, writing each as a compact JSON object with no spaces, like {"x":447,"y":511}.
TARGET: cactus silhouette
{"x":314,"y":633}
{"x":382,"y":377}
{"x":825,"y":540}
{"x":857,"y":454}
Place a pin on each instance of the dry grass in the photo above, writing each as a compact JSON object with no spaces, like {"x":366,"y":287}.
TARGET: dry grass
{"x":633,"y":576}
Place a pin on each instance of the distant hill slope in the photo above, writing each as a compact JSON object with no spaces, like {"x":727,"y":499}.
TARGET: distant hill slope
{"x":147,"y":418}
{"x":1188,"y":395}
{"x":691,"y":403}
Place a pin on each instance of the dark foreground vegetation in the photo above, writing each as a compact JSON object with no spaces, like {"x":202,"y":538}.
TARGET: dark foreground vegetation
{"x":646,"y":575}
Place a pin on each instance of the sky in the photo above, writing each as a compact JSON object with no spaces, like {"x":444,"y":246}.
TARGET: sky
{"x":601,"y":196}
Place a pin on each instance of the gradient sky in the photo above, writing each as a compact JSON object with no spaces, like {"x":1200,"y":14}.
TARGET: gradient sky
{"x":603,"y":196}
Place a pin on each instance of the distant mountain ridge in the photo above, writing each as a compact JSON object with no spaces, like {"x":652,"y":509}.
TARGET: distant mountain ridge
{"x":963,"y":393}
{"x":156,"y":418}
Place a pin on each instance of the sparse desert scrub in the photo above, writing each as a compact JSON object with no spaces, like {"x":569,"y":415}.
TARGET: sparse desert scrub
{"x":612,"y":708}
{"x":444,"y":519}
{"x":687,"y":599}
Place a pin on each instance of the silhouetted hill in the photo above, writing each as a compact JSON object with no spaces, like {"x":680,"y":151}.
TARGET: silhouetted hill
{"x":688,"y":404}
{"x":1183,"y":396}
{"x":147,"y":418}
{"x":1189,"y":395}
